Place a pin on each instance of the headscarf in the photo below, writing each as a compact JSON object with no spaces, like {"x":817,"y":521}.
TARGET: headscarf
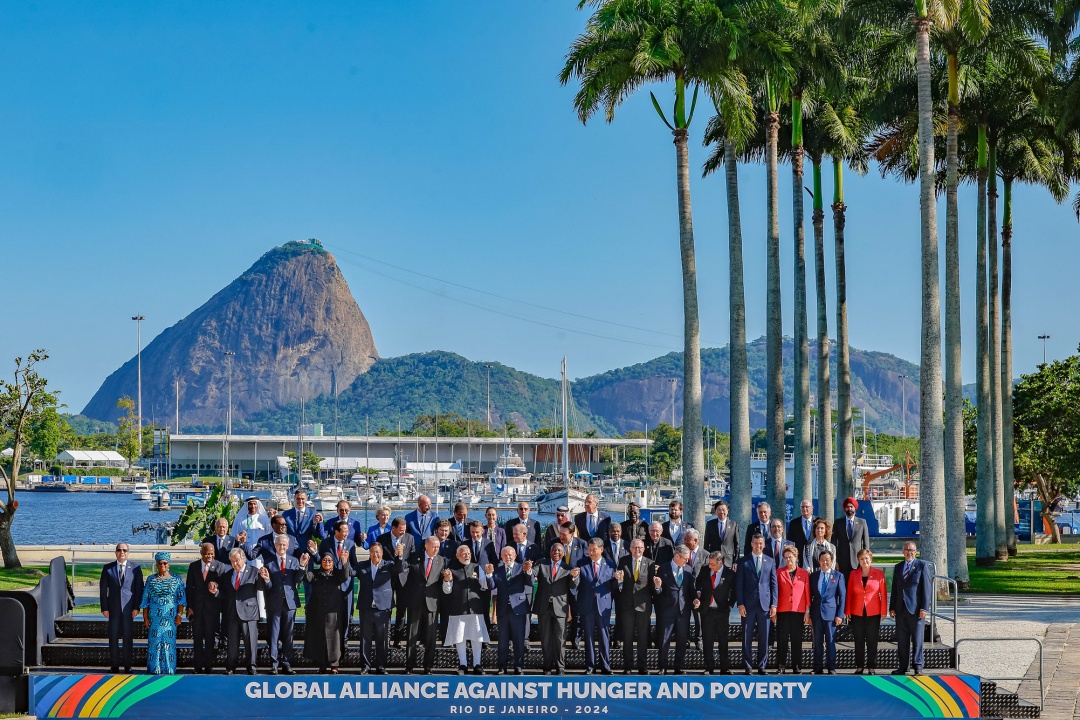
{"x":163,"y":555}
{"x":256,"y":526}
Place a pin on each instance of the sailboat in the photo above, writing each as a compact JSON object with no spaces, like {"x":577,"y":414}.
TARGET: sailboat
{"x":574,"y":498}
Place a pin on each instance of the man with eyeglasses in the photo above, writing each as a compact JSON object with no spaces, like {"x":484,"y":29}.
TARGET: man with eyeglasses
{"x":910,"y":602}
{"x":120,"y":591}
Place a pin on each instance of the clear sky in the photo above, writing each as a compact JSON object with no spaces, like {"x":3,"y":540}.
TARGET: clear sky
{"x":151,"y":152}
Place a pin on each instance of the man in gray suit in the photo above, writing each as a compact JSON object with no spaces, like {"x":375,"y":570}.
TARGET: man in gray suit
{"x":241,"y":609}
{"x":552,"y":602}
{"x":850,"y":535}
{"x":120,"y":591}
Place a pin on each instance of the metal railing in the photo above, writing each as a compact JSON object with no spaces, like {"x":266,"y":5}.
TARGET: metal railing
{"x":1037,"y":641}
{"x":954,"y":592}
{"x":181,"y":557}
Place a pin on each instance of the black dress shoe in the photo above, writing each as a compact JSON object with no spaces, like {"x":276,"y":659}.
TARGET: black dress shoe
{"x":364,"y":671}
{"x":559,"y":671}
{"x":746,"y":671}
{"x":251,"y":671}
{"x":380,"y":671}
{"x":796,"y":671}
{"x":762,"y":672}
{"x":274,"y":670}
{"x":517,"y":671}
{"x":288,"y":670}
{"x":858,"y":671}
{"x":425,"y":671}
{"x":830,"y":672}
{"x":478,"y":670}
{"x":500,"y":671}
{"x":605,"y":672}
{"x":725,"y":671}
{"x":898,"y":672}
{"x":114,"y":670}
{"x":918,"y":671}
{"x":229,"y":672}
{"x":461,"y":669}
{"x":871,"y":671}
{"x":780,"y":670}
{"x":127,"y":670}
{"x":588,"y":671}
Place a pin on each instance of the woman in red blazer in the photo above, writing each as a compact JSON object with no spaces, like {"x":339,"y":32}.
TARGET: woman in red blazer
{"x":867,"y":602}
{"x":792,"y":608}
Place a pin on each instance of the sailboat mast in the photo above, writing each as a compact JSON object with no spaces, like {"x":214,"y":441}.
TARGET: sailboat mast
{"x":565,"y":431}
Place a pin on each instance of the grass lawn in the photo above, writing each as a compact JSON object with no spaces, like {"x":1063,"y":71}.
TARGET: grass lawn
{"x":1036,"y":569}
{"x":28,"y":576}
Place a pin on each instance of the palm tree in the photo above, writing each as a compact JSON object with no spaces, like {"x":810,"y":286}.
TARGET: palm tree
{"x":775,"y":470}
{"x":626,"y":44}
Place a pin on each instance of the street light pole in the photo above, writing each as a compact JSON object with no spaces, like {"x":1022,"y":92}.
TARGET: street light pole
{"x":228,"y":421}
{"x":488,"y":397}
{"x":138,"y":334}
{"x":1044,"y":338}
{"x":903,"y":403}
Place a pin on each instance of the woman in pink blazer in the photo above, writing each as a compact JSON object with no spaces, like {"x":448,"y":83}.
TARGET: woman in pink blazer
{"x":867,"y":602}
{"x":792,"y":606}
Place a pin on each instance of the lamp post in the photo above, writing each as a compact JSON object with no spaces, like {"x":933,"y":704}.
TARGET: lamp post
{"x":228,"y":423}
{"x":138,"y":411}
{"x":1044,"y":338}
{"x":903,"y":403}
{"x":488,"y":397}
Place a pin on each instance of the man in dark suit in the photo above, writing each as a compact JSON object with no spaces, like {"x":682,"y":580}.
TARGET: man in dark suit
{"x":722,"y":535}
{"x":533,"y":534}
{"x":633,"y":526}
{"x":674,"y":527}
{"x":657,"y":547}
{"x":513,"y":594}
{"x":421,"y":522}
{"x":459,"y":523}
{"x":390,"y":541}
{"x":909,"y":603}
{"x":222,"y":541}
{"x":756,"y":595}
{"x":716,"y":592}
{"x":344,"y":552}
{"x":697,"y":560}
{"x":483,"y":553}
{"x":801,"y":529}
{"x":374,"y":601}
{"x":423,"y":590}
{"x":554,"y":582}
{"x":551,"y":535}
{"x":573,"y":552}
{"x":598,"y":583}
{"x":120,"y":591}
{"x":204,"y":606}
{"x":523,"y":549}
{"x":828,"y":590}
{"x":447,"y":545}
{"x":635,"y":606}
{"x":760,"y":527}
{"x":302,"y":522}
{"x":775,"y":542}
{"x":282,"y":601}
{"x":850,"y":535}
{"x":355,"y":534}
{"x":592,"y":523}
{"x":614,"y":547}
{"x":674,"y":597}
{"x":266,"y":547}
{"x":241,"y":609}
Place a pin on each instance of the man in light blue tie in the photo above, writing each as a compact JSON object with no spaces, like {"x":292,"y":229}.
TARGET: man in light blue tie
{"x":828,"y":590}
{"x":801,"y":529}
{"x":756,"y":595}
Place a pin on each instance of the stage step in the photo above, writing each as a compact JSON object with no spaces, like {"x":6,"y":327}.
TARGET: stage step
{"x":998,"y":703}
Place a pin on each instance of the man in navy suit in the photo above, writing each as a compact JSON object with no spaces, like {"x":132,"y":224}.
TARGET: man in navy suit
{"x":756,"y":595}
{"x":459,"y":523}
{"x":204,"y":606}
{"x":761,"y":527}
{"x":398,"y":535}
{"x":801,"y":529}
{"x":674,"y":597}
{"x":282,"y":601}
{"x":344,"y":552}
{"x":222,"y":541}
{"x":422,"y":594}
{"x":374,"y":600}
{"x":775,"y":542}
{"x":716,"y":591}
{"x":422,"y":521}
{"x":592,"y":523}
{"x":722,"y":534}
{"x":240,"y":606}
{"x":120,"y":589}
{"x":513,"y":594}
{"x":533,"y":534}
{"x":828,"y":590}
{"x":614,"y":547}
{"x":356,"y":534}
{"x":523,"y":549}
{"x":302,"y":522}
{"x":675,"y":527}
{"x":266,"y":547}
{"x":597,"y":585}
{"x":573,"y":552}
{"x":909,"y":604}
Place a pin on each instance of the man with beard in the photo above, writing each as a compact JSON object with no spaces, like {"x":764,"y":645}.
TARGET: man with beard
{"x":850,"y":535}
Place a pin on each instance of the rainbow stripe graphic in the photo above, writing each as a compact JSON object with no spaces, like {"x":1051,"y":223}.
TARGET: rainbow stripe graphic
{"x":95,"y":696}
{"x":941,"y":696}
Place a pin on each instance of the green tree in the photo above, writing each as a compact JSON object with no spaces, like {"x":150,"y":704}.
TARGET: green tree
{"x":23,"y":400}
{"x":690,"y":43}
{"x":45,"y":435}
{"x":311,"y":461}
{"x":127,"y":435}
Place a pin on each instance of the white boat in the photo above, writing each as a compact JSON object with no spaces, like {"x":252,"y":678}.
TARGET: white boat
{"x":328,"y":498}
{"x":510,"y":478}
{"x":573,"y":498}
{"x":140,"y":491}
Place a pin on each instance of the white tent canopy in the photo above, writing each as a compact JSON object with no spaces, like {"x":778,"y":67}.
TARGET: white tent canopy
{"x":343,"y":464}
{"x":91,"y":458}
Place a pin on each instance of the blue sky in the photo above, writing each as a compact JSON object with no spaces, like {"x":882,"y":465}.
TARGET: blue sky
{"x":151,"y":152}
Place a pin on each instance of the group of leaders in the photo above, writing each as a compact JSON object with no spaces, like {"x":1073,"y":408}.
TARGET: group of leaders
{"x":450,"y":580}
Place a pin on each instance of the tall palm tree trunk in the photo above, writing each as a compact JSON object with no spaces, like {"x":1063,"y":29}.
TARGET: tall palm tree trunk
{"x":1001,"y":537}
{"x":740,"y":379}
{"x":825,"y":480}
{"x":985,"y":541}
{"x":954,"y":382}
{"x":1006,"y":358}
{"x":693,"y":460}
{"x":775,"y":481}
{"x":931,"y":440}
{"x":804,"y":489}
{"x":844,"y":430}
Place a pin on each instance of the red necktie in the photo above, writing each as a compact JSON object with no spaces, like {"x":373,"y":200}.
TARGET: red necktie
{"x":427,"y":568}
{"x":236,"y":584}
{"x":282,"y":562}
{"x":596,"y":569}
{"x":554,"y":571}
{"x":205,"y":567}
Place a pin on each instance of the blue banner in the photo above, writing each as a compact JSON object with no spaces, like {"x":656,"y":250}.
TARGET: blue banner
{"x":185,"y":696}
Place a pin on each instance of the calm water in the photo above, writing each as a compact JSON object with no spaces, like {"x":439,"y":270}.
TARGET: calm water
{"x":50,"y":518}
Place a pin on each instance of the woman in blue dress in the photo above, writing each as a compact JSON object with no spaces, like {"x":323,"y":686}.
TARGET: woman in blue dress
{"x":163,"y":604}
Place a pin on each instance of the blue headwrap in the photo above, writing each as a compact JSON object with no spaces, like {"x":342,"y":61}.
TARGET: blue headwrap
{"x":166,"y":556}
